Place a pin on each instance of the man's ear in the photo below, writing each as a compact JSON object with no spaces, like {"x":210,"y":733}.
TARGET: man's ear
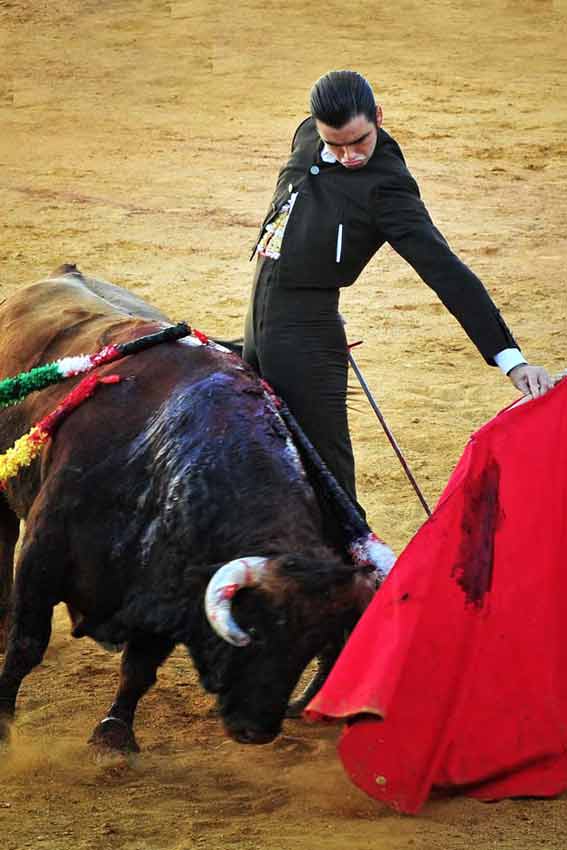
{"x":379,"y":115}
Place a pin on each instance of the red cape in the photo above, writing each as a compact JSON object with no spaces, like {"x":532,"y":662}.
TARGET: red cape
{"x":456,"y":675}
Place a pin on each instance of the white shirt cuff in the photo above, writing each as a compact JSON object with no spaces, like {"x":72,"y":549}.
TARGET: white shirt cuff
{"x":509,"y":358}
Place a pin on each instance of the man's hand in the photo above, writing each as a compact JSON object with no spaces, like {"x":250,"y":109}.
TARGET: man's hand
{"x":532,"y":381}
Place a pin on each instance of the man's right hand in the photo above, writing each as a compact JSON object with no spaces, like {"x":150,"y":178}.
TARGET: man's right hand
{"x":532,"y":381}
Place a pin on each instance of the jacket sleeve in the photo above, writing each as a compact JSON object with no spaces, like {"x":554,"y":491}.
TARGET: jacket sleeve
{"x":405,"y":223}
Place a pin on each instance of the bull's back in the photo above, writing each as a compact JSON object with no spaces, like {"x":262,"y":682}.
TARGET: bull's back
{"x":63,"y":315}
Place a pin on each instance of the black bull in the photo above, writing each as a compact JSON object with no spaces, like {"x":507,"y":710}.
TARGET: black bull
{"x":146,"y":492}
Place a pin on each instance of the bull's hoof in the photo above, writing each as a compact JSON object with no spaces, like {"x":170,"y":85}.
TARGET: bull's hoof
{"x":114,"y":734}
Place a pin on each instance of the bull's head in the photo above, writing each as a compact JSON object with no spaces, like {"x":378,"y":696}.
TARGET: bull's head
{"x":276,"y":614}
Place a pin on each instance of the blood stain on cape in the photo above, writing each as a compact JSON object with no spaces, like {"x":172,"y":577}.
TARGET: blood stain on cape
{"x":481,"y":518}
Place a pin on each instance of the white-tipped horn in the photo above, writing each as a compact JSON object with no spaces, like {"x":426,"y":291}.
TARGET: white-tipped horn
{"x":243,"y":572}
{"x":373,"y":552}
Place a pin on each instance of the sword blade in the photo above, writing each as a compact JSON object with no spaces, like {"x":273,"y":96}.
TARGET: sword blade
{"x":388,"y":432}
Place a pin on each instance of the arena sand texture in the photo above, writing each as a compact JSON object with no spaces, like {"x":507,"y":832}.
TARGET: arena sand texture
{"x":141,"y":141}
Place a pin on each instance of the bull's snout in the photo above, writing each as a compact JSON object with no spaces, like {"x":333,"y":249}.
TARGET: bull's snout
{"x":251,"y":736}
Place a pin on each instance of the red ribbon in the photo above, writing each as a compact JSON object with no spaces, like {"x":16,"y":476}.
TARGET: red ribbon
{"x":82,"y":391}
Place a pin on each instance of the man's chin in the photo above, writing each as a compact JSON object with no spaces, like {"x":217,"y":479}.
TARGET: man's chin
{"x":353,"y":165}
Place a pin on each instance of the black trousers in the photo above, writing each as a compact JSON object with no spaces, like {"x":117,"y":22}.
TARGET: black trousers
{"x":295,"y":339}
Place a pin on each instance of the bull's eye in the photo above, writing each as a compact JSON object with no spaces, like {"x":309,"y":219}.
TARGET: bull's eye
{"x":257,"y":636}
{"x":281,"y":622}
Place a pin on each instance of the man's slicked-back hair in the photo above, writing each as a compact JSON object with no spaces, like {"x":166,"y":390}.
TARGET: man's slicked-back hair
{"x":339,"y":96}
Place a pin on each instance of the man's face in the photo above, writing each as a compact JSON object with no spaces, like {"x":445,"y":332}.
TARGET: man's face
{"x":352,"y":144}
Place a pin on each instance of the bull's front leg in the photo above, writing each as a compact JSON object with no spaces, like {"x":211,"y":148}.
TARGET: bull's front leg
{"x":138,"y":672}
{"x":324,"y":665}
{"x":9,"y":531}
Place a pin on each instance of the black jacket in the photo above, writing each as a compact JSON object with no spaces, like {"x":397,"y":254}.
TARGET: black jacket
{"x":375,"y":204}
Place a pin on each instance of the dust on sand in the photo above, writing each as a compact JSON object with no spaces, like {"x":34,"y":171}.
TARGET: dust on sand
{"x":141,"y":140}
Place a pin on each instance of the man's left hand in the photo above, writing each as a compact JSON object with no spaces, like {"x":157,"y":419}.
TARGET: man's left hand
{"x":533,"y":381}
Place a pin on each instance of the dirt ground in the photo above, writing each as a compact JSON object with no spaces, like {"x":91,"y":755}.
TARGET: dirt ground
{"x":141,"y":140}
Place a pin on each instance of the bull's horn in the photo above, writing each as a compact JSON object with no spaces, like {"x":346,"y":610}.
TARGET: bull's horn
{"x":243,"y":572}
{"x":373,"y":552}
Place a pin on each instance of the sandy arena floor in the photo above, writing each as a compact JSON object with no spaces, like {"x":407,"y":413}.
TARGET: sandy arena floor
{"x":141,"y":140}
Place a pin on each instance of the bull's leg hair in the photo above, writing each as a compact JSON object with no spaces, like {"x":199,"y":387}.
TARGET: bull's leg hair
{"x":30,"y":628}
{"x":138,"y":672}
{"x":9,"y":531}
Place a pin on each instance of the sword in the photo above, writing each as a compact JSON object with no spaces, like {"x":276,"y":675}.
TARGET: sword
{"x":387,"y":430}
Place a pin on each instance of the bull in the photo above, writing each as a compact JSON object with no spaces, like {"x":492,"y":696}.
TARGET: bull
{"x":171,"y":508}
